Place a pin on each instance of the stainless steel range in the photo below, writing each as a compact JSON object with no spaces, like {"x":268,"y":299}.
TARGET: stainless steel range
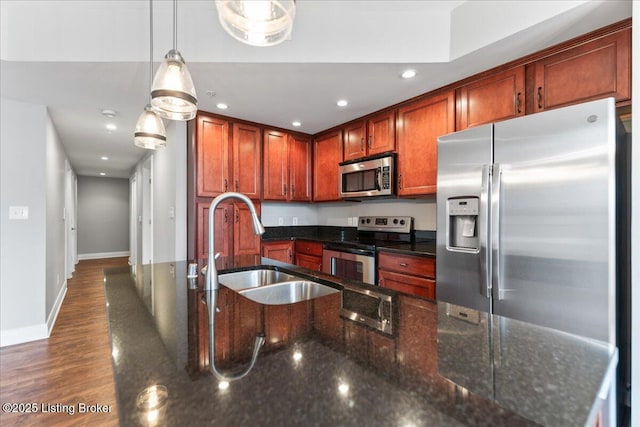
{"x":356,"y":259}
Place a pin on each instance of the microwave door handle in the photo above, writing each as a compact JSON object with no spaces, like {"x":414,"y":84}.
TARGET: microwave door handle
{"x":378,"y":179}
{"x":380,"y":308}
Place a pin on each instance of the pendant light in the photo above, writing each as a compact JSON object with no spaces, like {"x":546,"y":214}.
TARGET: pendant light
{"x":173,"y":95}
{"x":257,"y":22}
{"x":150,"y":132}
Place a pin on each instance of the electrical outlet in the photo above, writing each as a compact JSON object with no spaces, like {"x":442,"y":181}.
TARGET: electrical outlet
{"x":18,"y":212}
{"x":280,"y":220}
{"x":294,"y":220}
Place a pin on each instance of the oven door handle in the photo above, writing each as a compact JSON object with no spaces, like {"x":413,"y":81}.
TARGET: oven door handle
{"x":354,"y":251}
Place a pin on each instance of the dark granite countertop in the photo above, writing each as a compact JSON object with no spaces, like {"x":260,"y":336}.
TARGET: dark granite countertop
{"x":317,"y":368}
{"x":422,"y":248}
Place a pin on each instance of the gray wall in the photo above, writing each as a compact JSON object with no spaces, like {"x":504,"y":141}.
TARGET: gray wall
{"x":103,"y":217}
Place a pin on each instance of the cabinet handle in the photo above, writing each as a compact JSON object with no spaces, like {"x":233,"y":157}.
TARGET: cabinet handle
{"x":284,"y":189}
{"x":404,"y":264}
{"x":370,"y":141}
{"x":400,"y":181}
{"x":362,"y":144}
{"x":226,"y":185}
{"x":293,"y":190}
{"x":226,"y":216}
{"x":518,"y":103}
{"x":290,"y":255}
{"x":237,"y":185}
{"x":237,"y":216}
{"x":539,"y":95}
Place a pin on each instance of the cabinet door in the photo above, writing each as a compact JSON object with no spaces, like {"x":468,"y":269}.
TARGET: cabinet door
{"x":327,"y":153}
{"x":381,"y":133}
{"x":280,"y":251}
{"x":354,"y":141}
{"x":593,"y":70}
{"x":498,"y":97}
{"x":407,"y":284}
{"x":212,"y":156}
{"x":222,"y":219}
{"x":247,"y":160}
{"x":311,"y":262}
{"x":419,"y":126}
{"x":299,"y":168}
{"x":245,"y":241}
{"x":275,"y":165}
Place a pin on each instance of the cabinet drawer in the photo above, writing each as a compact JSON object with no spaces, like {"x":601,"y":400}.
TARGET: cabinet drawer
{"x":416,"y":265}
{"x":309,"y":261}
{"x":404,"y":283}
{"x":308,"y":247}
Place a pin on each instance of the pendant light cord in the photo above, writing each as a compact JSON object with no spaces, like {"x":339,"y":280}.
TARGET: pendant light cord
{"x":175,"y":24}
{"x":150,"y":48}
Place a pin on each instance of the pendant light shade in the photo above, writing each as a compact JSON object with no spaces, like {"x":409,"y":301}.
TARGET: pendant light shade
{"x":257,"y":22}
{"x":173,"y":95}
{"x":150,"y":132}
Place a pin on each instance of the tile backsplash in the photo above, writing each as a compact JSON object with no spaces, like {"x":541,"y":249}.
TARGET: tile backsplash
{"x":341,"y":214}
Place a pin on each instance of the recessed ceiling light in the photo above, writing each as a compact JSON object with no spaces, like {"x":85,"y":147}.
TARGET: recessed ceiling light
{"x":222,"y":106}
{"x":109,"y":113}
{"x":104,"y":158}
{"x":102,"y":174}
{"x":296,"y":123}
{"x":407,"y":74}
{"x":342,"y":103}
{"x":111,"y":126}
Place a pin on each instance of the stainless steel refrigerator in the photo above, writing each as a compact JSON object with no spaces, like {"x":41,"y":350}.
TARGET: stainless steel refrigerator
{"x":526,"y":231}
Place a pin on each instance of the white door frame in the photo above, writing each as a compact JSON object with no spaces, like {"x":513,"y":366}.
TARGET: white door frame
{"x":147,"y":211}
{"x":70,"y":203}
{"x":133,"y":220}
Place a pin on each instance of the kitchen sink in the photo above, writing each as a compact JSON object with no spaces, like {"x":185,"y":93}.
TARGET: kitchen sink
{"x":288,"y":292}
{"x":254,"y":278}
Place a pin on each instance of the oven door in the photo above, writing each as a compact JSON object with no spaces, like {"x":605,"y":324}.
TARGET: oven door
{"x":351,"y":264}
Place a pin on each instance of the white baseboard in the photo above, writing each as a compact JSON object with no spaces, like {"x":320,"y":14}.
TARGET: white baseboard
{"x":100,"y":255}
{"x":22,"y":335}
{"x":51,"y":320}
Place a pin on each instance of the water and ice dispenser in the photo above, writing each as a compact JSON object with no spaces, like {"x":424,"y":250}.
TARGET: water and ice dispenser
{"x":462,"y":224}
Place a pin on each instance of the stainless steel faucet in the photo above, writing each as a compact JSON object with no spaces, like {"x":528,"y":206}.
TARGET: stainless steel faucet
{"x":212,"y":285}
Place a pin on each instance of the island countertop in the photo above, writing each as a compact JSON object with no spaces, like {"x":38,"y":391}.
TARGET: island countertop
{"x":318,"y":368}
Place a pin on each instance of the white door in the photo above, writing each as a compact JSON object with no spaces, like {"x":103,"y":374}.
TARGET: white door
{"x":70,"y":198}
{"x":147,"y":211}
{"x":133,"y":221}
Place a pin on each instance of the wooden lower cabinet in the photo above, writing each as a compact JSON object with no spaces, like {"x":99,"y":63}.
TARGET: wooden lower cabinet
{"x":408,"y":274}
{"x":309,"y":254}
{"x":234,"y":232}
{"x":279,"y":250}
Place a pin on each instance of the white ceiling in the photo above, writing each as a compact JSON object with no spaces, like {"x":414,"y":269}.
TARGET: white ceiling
{"x":84,"y":56}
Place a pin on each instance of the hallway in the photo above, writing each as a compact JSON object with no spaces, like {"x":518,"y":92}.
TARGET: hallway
{"x":72,"y":367}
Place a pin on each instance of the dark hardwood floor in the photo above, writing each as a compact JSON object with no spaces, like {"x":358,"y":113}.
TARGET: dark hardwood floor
{"x":70,"y":368}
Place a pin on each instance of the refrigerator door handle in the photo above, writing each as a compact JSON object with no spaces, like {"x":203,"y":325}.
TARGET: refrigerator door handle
{"x":498,"y":292}
{"x":484,"y":233}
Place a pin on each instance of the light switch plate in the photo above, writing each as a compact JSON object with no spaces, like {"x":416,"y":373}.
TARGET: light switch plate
{"x":18,"y":212}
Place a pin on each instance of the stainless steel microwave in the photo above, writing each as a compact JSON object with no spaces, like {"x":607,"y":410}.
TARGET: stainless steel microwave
{"x":368,"y":177}
{"x":371,"y":308}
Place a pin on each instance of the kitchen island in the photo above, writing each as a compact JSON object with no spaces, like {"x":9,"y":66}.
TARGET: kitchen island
{"x":317,"y":368}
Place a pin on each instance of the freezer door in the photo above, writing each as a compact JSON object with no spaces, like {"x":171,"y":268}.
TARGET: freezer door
{"x":462,"y":267}
{"x":553,"y":217}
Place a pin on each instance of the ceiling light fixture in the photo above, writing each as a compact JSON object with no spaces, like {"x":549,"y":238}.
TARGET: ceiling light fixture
{"x":109,"y":113}
{"x":104,"y":158}
{"x":102,"y":174}
{"x":296,"y":123}
{"x":408,"y":74}
{"x":150,"y":132}
{"x":342,"y":103}
{"x":111,"y":127}
{"x":257,"y":22}
{"x":173,"y":95}
{"x":222,"y":106}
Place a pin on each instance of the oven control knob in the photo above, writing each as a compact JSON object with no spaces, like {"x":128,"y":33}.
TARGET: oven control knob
{"x":362,"y":221}
{"x":368,"y":220}
{"x":395,"y":220}
{"x":402,"y":222}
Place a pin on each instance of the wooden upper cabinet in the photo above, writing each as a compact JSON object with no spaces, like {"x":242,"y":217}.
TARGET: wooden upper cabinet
{"x":287,"y":166}
{"x":381,"y":133}
{"x":593,"y":70}
{"x":212,"y":156}
{"x":275,"y":165}
{"x":300,"y":168}
{"x":419,"y":126}
{"x":327,"y":154}
{"x":223,"y":215}
{"x":498,"y":97}
{"x":245,"y":240}
{"x":247,"y":160}
{"x":354,"y":136}
{"x":375,"y":135}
